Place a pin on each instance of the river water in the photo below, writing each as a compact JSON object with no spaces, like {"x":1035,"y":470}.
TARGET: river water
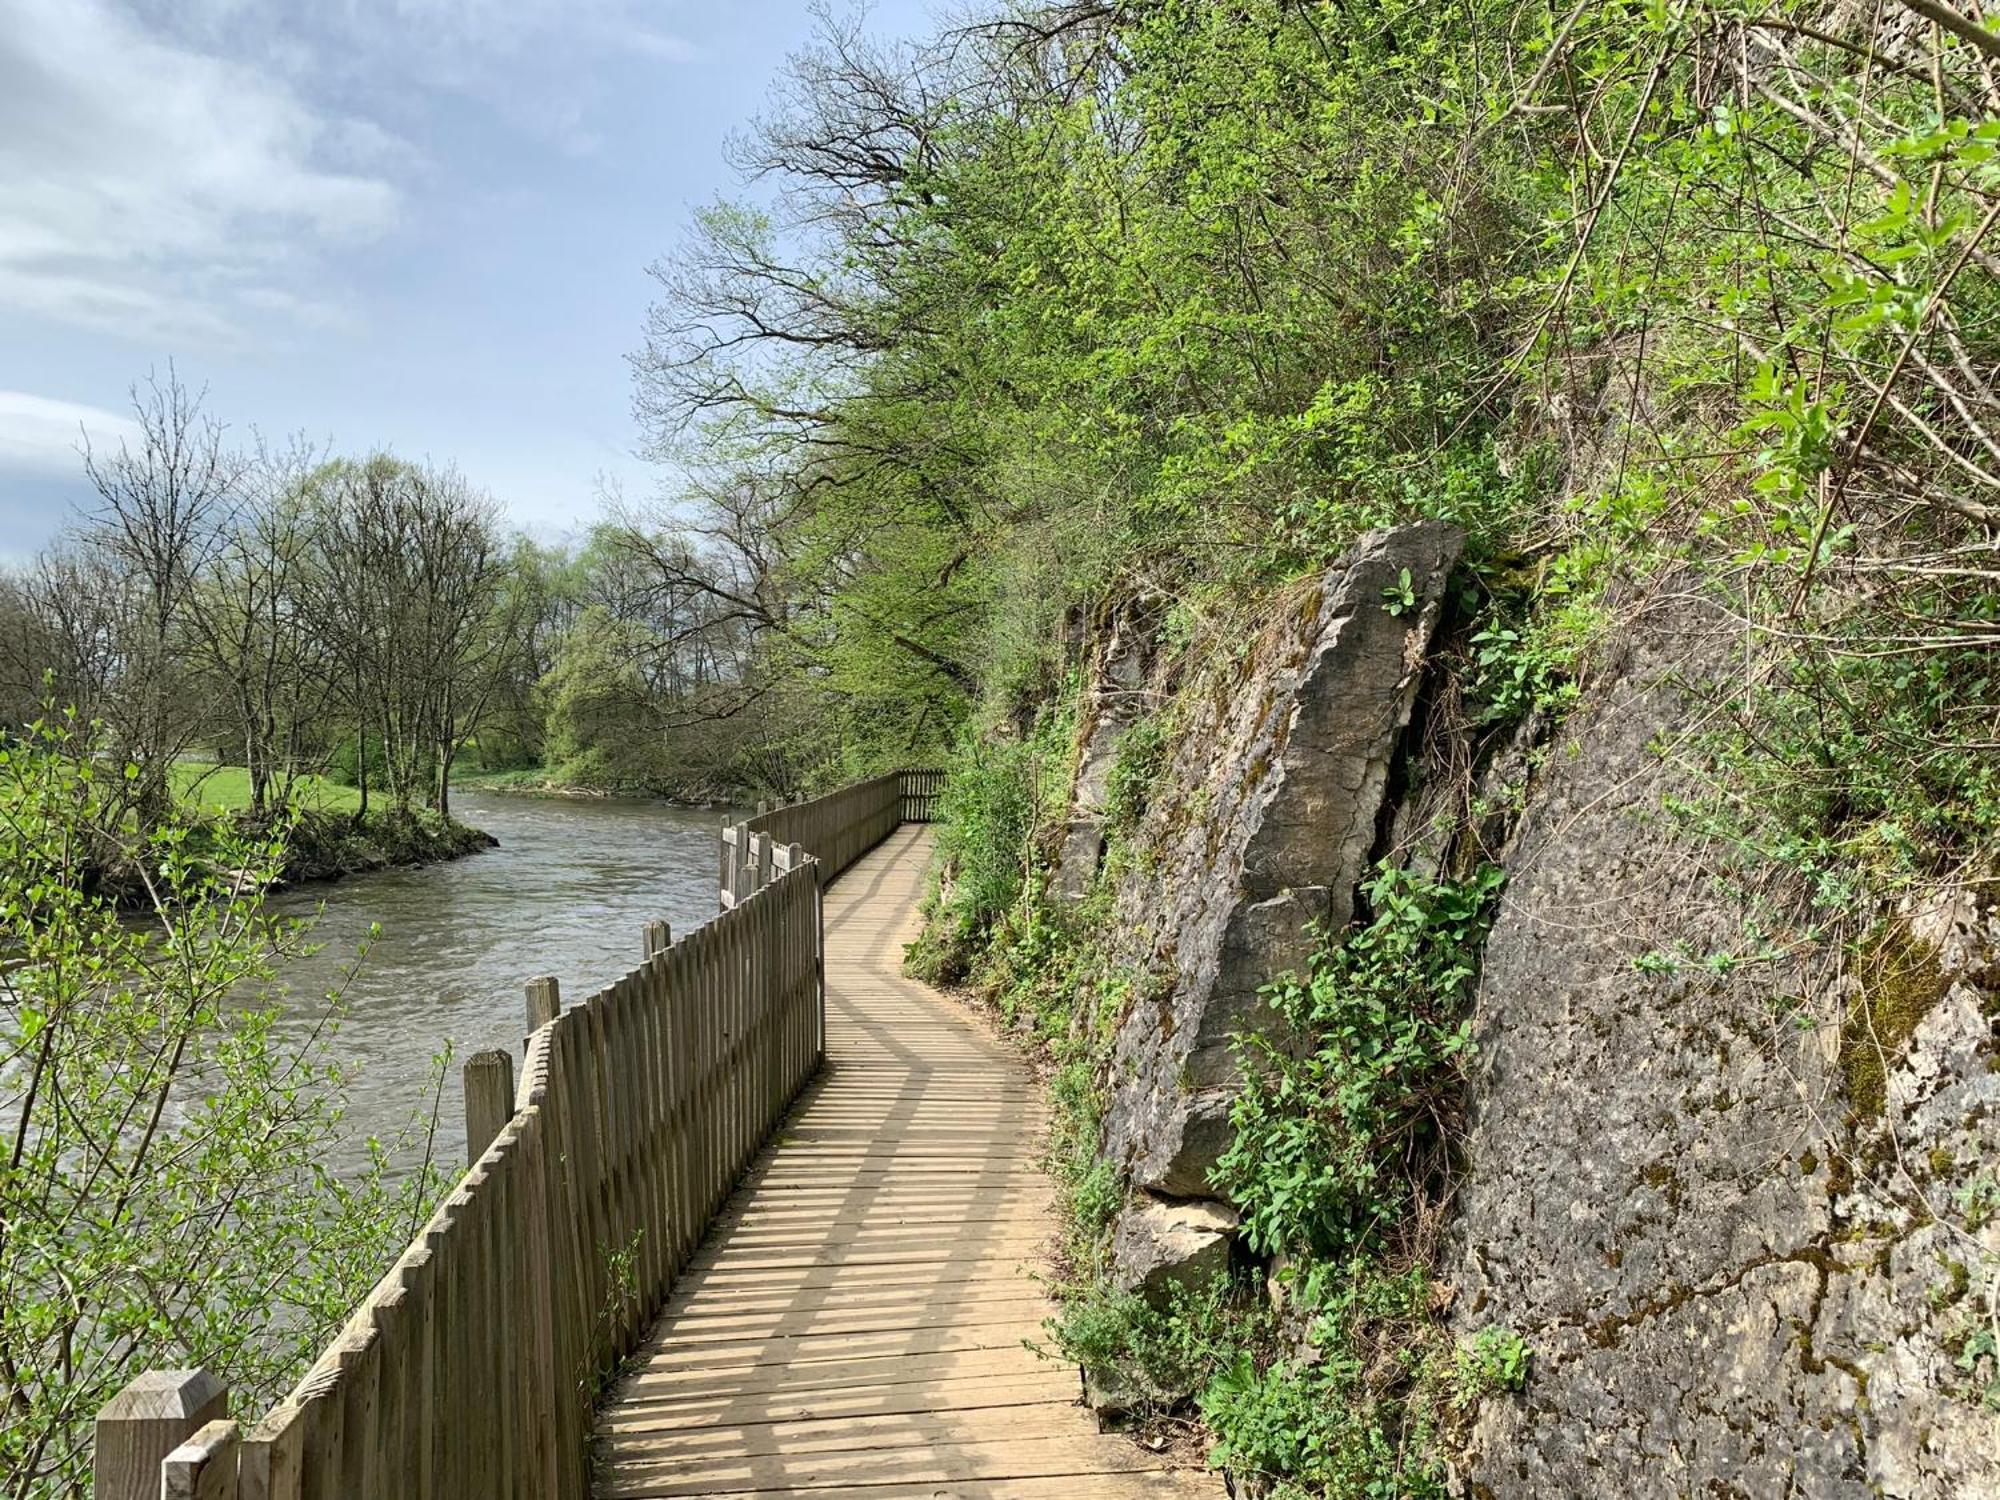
{"x":568,"y":892}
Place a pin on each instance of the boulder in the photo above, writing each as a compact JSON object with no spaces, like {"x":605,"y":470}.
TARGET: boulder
{"x":1159,"y":1245}
{"x":1279,"y":786}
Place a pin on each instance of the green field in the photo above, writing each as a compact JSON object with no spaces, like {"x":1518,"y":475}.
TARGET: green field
{"x":226,"y":789}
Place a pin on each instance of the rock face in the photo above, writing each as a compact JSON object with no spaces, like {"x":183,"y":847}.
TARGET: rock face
{"x":1160,"y":1245}
{"x":1116,"y":696}
{"x":1728,"y":1238}
{"x":1277,"y":789}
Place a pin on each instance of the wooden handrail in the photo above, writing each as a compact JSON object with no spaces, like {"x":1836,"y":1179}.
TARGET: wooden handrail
{"x":472,"y":1367}
{"x":835,"y":830}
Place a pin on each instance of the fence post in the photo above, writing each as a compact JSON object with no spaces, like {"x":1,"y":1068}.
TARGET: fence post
{"x":142,"y":1424}
{"x":489,"y":1100}
{"x":204,"y":1467}
{"x":544,"y":1002}
{"x":659,"y":938}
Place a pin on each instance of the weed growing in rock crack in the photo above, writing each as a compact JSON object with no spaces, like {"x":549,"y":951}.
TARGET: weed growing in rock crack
{"x":1977,"y":1201}
{"x":1141,"y":755}
{"x":1979,"y":1357}
{"x":1495,"y":1359}
{"x":1336,"y":1144}
{"x":1324,"y":1133}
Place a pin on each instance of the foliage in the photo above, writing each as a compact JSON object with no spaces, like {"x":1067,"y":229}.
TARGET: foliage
{"x":987,"y":814}
{"x":1163,"y":1351}
{"x":599,"y":730}
{"x":164,"y":1199}
{"x":1496,"y":1359}
{"x":1328,"y":1134}
{"x":1357,"y":1418}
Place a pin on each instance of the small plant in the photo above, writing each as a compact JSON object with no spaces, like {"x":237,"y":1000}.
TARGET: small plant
{"x":1979,"y":1356}
{"x":1978,"y":1201}
{"x":1400,"y":597}
{"x":1165,"y":1354}
{"x":1496,"y":1359}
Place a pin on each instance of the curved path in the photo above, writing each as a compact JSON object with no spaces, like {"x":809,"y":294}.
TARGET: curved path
{"x":856,"y":1322}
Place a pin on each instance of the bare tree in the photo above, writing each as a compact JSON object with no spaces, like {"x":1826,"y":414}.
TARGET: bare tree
{"x":407,"y":592}
{"x":162,"y":505}
{"x":254,"y":635}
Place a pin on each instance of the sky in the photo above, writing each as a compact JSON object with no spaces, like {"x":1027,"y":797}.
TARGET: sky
{"x":420,"y":225}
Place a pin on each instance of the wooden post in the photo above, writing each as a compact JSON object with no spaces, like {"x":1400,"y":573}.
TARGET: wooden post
{"x":142,"y":1424}
{"x":489,"y":1099}
{"x":204,"y":1467}
{"x":659,"y":938}
{"x":544,"y":1002}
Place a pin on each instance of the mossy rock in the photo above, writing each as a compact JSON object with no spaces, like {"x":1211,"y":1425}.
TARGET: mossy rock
{"x":1900,"y":982}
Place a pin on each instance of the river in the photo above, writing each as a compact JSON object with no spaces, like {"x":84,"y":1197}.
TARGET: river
{"x":568,"y":892}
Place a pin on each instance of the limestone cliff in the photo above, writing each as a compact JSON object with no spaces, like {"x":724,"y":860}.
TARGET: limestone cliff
{"x":1731,"y":1175}
{"x":1739,"y":1278}
{"x":1267,"y":818}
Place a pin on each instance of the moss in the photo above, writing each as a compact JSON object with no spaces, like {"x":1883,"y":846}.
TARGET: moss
{"x":1808,"y":1163}
{"x":1942,"y":1160}
{"x":1900,"y":982}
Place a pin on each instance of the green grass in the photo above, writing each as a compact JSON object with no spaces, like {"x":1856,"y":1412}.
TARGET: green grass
{"x":226,"y":789}
{"x":530,"y":777}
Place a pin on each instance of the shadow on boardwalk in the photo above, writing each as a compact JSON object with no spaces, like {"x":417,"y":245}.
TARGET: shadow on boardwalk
{"x":855,"y":1322}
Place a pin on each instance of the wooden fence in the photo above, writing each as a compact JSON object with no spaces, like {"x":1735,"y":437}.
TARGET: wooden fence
{"x":836,"y":829}
{"x":471,"y":1368}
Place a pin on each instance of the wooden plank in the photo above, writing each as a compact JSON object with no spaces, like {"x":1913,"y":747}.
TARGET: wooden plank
{"x":1150,"y":1485}
{"x":996,"y":1458}
{"x":858,"y":1319}
{"x":743,"y":1411}
{"x":204,"y":1467}
{"x":880,"y":1432}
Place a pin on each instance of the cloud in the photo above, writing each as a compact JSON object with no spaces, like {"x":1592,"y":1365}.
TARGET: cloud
{"x":43,"y":435}
{"x":528,"y":60}
{"x":192,"y":172}
{"x":145,"y":182}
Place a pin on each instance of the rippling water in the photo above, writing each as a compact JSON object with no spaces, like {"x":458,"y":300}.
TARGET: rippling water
{"x":568,"y":893}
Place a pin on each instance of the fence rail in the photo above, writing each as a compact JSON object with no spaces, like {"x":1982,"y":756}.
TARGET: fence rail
{"x":836,"y":829}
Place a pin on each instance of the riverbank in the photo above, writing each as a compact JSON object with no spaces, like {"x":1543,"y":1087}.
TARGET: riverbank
{"x":541,"y":781}
{"x":333,"y":839}
{"x":329,"y":845}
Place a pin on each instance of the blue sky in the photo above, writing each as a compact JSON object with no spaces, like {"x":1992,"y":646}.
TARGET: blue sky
{"x":414,"y":224}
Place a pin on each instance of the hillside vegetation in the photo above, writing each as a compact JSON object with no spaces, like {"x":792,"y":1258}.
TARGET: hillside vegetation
{"x":1161,"y":305}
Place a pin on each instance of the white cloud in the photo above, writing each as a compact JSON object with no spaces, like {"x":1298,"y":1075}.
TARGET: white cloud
{"x":44,"y":435}
{"x":144,"y":182}
{"x":183,"y":172}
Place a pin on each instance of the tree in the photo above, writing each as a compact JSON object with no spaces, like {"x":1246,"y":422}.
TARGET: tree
{"x":163,"y":1195}
{"x":252,"y":631}
{"x":408,"y":591}
{"x":162,"y":505}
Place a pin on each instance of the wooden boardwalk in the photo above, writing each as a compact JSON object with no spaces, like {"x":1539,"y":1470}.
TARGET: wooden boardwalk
{"x":854,"y":1323}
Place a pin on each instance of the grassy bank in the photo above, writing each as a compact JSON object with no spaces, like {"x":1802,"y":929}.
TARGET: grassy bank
{"x":330,"y":838}
{"x":564,"y":781}
{"x":226,"y":789}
